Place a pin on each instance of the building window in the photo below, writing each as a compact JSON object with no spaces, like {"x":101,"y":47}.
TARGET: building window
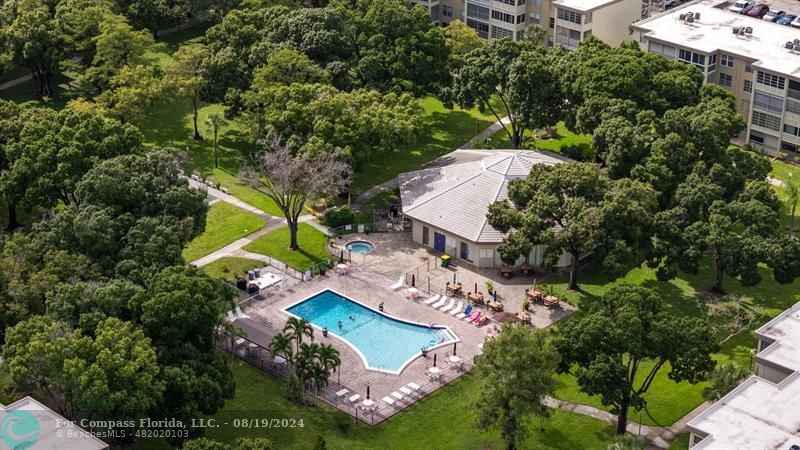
{"x":792,"y":106}
{"x":766,"y":120}
{"x":748,"y":68}
{"x":569,"y":16}
{"x":425,"y":232}
{"x":587,"y":34}
{"x":447,"y":11}
{"x":588,"y":17}
{"x":503,"y":17}
{"x":727,"y":60}
{"x":725,"y":79}
{"x":434,"y":12}
{"x":666,"y":50}
{"x":521,"y":18}
{"x":535,"y":19}
{"x":480,"y":27}
{"x":767,"y":102}
{"x":790,"y":129}
{"x":757,"y":137}
{"x":487,"y":253}
{"x":477,"y":12}
{"x":499,"y":33}
{"x":552,"y":22}
{"x":465,"y":251}
{"x":536,"y":3}
{"x":748,"y":86}
{"x":768,"y":79}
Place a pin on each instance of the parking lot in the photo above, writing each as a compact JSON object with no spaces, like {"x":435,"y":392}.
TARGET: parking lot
{"x":657,"y":6}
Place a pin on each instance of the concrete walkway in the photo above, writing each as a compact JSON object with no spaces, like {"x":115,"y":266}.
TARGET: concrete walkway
{"x":227,"y":198}
{"x":776,"y":182}
{"x":487,"y":133}
{"x":11,"y":83}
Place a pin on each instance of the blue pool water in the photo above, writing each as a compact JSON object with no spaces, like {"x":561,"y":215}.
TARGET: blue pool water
{"x":386,"y":343}
{"x":359,"y":247}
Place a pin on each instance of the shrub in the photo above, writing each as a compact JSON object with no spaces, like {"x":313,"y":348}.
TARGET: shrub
{"x":337,"y":218}
{"x":576,"y":152}
{"x":342,"y":421}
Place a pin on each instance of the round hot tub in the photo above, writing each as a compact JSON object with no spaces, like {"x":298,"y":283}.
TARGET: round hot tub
{"x":360,"y":247}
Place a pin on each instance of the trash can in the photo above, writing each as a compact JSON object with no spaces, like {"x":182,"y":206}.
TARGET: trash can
{"x":445,"y":261}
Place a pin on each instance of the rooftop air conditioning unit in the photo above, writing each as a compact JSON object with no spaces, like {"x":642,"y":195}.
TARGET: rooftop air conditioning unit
{"x":689,"y":19}
{"x":741,"y":31}
{"x":789,"y":45}
{"x":796,"y":41}
{"x":697,"y":16}
{"x":797,"y":48}
{"x":736,"y":30}
{"x":748,"y":30}
{"x":682,"y":17}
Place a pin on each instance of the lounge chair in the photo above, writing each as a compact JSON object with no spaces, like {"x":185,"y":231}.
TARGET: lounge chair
{"x":449,"y":305}
{"x":413,"y":386}
{"x":441,"y":302}
{"x":405,"y":390}
{"x":477,"y":318}
{"x":399,"y":283}
{"x":397,"y":395}
{"x":473,"y":316}
{"x":456,"y":308}
{"x":432,"y":299}
{"x":388,"y":401}
{"x":342,"y":393}
{"x":231,"y":317}
{"x":465,"y":313}
{"x":240,"y":314}
{"x":481,"y":321}
{"x":353,"y":399}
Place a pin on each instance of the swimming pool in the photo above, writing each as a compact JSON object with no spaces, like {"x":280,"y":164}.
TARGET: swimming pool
{"x":360,"y":247}
{"x":384,"y":343}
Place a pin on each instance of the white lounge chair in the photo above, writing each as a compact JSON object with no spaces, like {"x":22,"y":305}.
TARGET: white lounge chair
{"x":467,"y":311}
{"x":342,"y":393}
{"x":414,"y":386}
{"x":399,"y":283}
{"x":397,"y":395}
{"x":240,"y":314}
{"x":405,"y":390}
{"x":388,"y":401}
{"x":455,"y":309}
{"x":432,"y":299}
{"x":440,"y":303}
{"x":353,"y":399}
{"x":449,"y":305}
{"x":231,"y":317}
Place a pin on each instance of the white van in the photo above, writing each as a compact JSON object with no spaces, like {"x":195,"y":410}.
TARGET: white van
{"x":740,"y":5}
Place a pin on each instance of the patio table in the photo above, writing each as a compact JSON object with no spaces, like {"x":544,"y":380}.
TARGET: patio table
{"x":550,"y":301}
{"x":342,"y":268}
{"x":475,"y":297}
{"x":413,"y":292}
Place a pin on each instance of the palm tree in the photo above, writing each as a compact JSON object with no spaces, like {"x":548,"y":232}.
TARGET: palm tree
{"x":296,"y":328}
{"x":215,"y":121}
{"x":723,"y":379}
{"x":307,"y":363}
{"x":329,"y":359}
{"x":792,"y":199}
{"x":281,"y":344}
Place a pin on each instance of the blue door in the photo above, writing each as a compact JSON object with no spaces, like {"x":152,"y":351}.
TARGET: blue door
{"x":438,"y":241}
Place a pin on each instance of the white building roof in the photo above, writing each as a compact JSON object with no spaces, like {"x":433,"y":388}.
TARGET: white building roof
{"x":55,"y":432}
{"x":759,"y":414}
{"x":784,"y":331}
{"x":456,"y":198}
{"x":713,"y":32}
{"x":583,"y":5}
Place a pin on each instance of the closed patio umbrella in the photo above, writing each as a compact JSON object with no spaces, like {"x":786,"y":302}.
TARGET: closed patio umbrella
{"x":413,"y":280}
{"x":494,"y":295}
{"x":476,"y":288}
{"x":434,"y":360}
{"x":367,"y":392}
{"x":455,"y":345}
{"x":454,"y":278}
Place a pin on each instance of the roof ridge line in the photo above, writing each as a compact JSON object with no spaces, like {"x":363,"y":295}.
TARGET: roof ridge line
{"x":446,"y":190}
{"x":486,"y":219}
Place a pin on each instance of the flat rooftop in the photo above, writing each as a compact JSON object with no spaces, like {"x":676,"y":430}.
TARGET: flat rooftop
{"x":55,"y":432}
{"x":584,"y":5}
{"x":785,"y":331}
{"x":713,"y":31}
{"x":756,"y":415}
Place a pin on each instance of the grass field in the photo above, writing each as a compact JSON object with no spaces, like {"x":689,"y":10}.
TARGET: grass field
{"x":444,"y":131}
{"x":446,"y":419}
{"x":685,"y":295}
{"x":225,"y":223}
{"x":786,"y":173}
{"x":682,"y":443}
{"x":564,"y":137}
{"x":229,"y":268}
{"x":313,"y":247}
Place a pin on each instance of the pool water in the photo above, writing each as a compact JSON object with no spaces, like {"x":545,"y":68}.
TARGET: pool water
{"x":385,"y":343}
{"x":360,"y":247}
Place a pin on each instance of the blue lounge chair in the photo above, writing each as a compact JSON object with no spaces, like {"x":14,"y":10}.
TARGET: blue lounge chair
{"x":465,"y":313}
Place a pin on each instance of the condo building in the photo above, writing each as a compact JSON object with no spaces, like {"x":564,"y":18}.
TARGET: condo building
{"x":758,"y":61}
{"x":567,"y":22}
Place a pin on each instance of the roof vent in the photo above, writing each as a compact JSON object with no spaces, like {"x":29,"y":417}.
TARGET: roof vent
{"x":796,"y":41}
{"x":689,"y":19}
{"x":789,"y":45}
{"x":682,"y":17}
{"x":748,"y":30}
{"x":736,"y":30}
{"x":797,"y":48}
{"x":697,"y":16}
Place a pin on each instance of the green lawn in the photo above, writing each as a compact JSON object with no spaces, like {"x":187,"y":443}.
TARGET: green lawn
{"x":446,"y":419}
{"x":667,"y":400}
{"x":444,"y":131}
{"x":564,"y":137}
{"x":229,"y":268}
{"x":225,"y":223}
{"x":785,"y":172}
{"x":313,"y":247}
{"x":682,"y":443}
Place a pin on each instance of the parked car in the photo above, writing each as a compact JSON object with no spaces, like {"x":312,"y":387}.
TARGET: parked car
{"x":774,"y":15}
{"x":786,"y":19}
{"x":759,"y":11}
{"x":796,"y":22}
{"x":740,"y":5}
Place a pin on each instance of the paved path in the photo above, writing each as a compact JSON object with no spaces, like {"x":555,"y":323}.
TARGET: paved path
{"x":776,"y":182}
{"x":487,"y":133}
{"x":11,"y":83}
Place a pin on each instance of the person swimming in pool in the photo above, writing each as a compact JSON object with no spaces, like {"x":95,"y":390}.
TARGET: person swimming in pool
{"x":340,"y":325}
{"x":352,"y":318}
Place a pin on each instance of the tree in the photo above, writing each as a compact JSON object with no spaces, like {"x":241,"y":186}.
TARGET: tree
{"x":281,"y":345}
{"x":185,"y":76}
{"x":131,"y":90}
{"x":460,"y":40}
{"x":238,"y":444}
{"x":723,"y":379}
{"x":36,"y":42}
{"x":296,"y":329}
{"x":291,"y":180}
{"x":287,"y":66}
{"x":626,"y":333}
{"x":521,"y":76}
{"x":573,"y":208}
{"x":516,"y":374}
{"x":116,"y":45}
{"x":215,"y":121}
{"x":627,"y":442}
{"x":792,"y":200}
{"x":153,"y":15}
